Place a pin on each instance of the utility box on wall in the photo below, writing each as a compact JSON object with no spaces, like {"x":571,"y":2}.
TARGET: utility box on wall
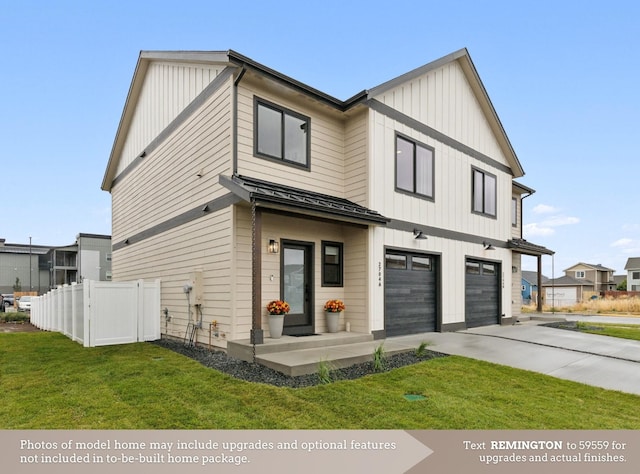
{"x":198,"y":287}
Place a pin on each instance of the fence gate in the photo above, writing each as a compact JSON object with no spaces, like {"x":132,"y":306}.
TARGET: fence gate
{"x":100,"y":313}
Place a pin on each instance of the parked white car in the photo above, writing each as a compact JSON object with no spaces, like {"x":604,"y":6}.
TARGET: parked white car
{"x":24,"y":303}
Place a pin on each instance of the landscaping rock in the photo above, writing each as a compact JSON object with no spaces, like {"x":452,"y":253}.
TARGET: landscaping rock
{"x":253,"y":372}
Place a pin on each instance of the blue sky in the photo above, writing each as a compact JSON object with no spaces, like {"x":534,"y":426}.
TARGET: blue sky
{"x":562,"y":76}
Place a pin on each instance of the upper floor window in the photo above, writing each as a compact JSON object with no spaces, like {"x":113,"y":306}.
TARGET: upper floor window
{"x":414,"y":167}
{"x":580,"y":274}
{"x":635,"y":275}
{"x":484,"y":193}
{"x":281,"y":134}
{"x":514,"y":212}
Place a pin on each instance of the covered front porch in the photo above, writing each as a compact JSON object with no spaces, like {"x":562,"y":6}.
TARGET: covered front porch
{"x":306,"y":248}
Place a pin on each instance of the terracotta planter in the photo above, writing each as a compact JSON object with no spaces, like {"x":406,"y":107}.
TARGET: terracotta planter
{"x":333,"y":321}
{"x":276,"y":322}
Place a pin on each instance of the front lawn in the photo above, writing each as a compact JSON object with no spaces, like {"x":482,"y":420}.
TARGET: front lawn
{"x":625,"y":331}
{"x":50,"y":382}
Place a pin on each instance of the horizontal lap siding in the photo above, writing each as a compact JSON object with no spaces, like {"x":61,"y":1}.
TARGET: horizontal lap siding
{"x":327,"y":143}
{"x":204,"y":244}
{"x":165,"y":184}
{"x":279,"y":227}
{"x":355,"y":160}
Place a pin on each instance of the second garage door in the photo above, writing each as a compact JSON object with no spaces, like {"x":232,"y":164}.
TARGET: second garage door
{"x":482,"y":293}
{"x":410,"y":293}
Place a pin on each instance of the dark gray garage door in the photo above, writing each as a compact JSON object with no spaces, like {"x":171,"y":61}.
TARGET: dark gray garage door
{"x":482,"y":303}
{"x":409,"y":293}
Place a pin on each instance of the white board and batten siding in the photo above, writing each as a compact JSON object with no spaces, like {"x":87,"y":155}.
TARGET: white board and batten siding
{"x":444,"y":100}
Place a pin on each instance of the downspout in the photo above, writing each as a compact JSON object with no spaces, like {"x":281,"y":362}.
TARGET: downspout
{"x":257,"y":334}
{"x":235,"y":119}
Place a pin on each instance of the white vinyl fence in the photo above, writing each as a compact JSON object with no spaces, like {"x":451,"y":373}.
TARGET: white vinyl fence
{"x":101,"y":313}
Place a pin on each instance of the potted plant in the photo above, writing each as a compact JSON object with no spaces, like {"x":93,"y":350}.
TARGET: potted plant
{"x":277,"y":310}
{"x":333,"y":310}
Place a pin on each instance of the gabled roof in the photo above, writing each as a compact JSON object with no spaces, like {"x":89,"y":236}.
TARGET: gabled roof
{"x":237,"y":61}
{"x":532,"y":277}
{"x":567,"y":281}
{"x":633,"y":263}
{"x":464,"y":59}
{"x":597,"y":267}
{"x":287,"y":198}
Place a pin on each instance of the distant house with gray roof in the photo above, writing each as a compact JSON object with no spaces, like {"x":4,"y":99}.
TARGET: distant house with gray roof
{"x":580,"y":282}
{"x":633,"y":274}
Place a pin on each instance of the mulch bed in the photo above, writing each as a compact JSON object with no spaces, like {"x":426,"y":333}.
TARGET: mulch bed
{"x":17,"y":327}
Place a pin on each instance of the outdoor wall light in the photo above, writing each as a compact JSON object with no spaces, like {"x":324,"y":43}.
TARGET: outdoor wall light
{"x":274,"y":247}
{"x":419,"y":235}
{"x":488,"y":246}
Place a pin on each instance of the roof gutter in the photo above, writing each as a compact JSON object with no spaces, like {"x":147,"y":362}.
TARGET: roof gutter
{"x":247,"y":63}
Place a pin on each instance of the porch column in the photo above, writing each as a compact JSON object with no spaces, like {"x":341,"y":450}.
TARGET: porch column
{"x":257,"y":334}
{"x":539,"y":306}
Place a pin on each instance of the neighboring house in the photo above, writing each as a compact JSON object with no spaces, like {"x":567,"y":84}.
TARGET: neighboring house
{"x":89,"y":258}
{"x":26,"y":263}
{"x":530,"y":286}
{"x":580,"y":282}
{"x":236,"y":185}
{"x":601,"y":278}
{"x":619,"y":280}
{"x":633,"y":274}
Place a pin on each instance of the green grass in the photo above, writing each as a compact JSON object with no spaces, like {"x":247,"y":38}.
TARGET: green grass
{"x":50,"y":382}
{"x":625,"y":331}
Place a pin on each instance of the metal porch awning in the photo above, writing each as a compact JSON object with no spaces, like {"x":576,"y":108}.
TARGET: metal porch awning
{"x":300,"y":201}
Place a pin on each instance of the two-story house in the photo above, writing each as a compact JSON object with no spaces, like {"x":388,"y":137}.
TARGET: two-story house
{"x":579,"y":283}
{"x":632,"y":268}
{"x":236,"y":185}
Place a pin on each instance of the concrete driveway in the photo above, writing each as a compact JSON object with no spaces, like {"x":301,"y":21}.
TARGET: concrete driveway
{"x":600,"y":361}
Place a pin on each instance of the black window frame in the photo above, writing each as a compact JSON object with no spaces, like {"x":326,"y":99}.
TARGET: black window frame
{"x":413,"y":191}
{"x":484,"y":211}
{"x":339,"y":265}
{"x":283,"y":111}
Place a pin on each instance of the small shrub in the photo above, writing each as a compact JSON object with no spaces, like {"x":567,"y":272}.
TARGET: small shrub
{"x":379,"y":359}
{"x":421,"y":350}
{"x":324,"y":372}
{"x":14,"y":317}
